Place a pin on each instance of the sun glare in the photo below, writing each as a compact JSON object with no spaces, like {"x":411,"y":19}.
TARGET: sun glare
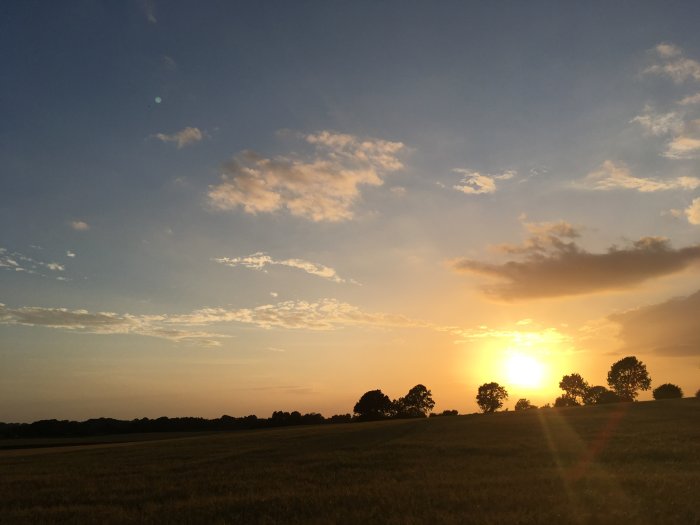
{"x":523,"y":370}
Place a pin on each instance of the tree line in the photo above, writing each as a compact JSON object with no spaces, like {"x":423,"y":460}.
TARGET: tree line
{"x":625,"y":379}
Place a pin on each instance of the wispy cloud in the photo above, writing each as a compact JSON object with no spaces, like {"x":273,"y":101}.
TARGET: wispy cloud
{"x":182,"y":138}
{"x":70,"y":254}
{"x":659,"y":123}
{"x":321,"y":187}
{"x":325,"y":314}
{"x":475,"y":183}
{"x":669,"y":328}
{"x":79,"y":225}
{"x":149,"y":11}
{"x":552,"y":264}
{"x":686,"y":145}
{"x":692,"y":212}
{"x":611,"y":176}
{"x":18,"y":262}
{"x":101,"y":323}
{"x":690,"y":100}
{"x":673,"y":64}
{"x":260,"y":260}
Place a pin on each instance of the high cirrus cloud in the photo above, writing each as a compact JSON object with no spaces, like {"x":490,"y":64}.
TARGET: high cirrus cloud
{"x":475,"y":183}
{"x":669,"y":328}
{"x":551,"y":264}
{"x":182,"y":138}
{"x":612,"y":176}
{"x":260,"y":260}
{"x":323,"y":186}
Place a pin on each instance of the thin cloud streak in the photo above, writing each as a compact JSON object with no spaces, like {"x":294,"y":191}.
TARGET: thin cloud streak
{"x":611,"y":176}
{"x":182,"y":138}
{"x":260,"y":260}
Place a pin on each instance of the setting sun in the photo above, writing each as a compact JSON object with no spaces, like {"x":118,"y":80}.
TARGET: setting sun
{"x":523,"y":370}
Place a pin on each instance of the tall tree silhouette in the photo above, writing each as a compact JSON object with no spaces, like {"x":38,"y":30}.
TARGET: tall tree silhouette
{"x":417,"y":403}
{"x":574,"y":387}
{"x":490,"y":397}
{"x":628,"y":375}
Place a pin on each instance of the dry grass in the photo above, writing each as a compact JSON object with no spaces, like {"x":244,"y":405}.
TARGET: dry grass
{"x":629,"y":463}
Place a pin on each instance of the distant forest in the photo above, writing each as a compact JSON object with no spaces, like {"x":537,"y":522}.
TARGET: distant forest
{"x":625,"y":378}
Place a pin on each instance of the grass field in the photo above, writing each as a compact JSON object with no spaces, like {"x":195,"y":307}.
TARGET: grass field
{"x":627,"y":463}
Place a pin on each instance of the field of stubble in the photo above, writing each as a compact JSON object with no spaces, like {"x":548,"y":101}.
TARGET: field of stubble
{"x":627,"y":463}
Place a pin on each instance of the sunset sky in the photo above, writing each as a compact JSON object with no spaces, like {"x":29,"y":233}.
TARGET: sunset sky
{"x":217,"y":208}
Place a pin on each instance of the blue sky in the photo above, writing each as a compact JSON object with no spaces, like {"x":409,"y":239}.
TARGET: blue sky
{"x":244,"y":207}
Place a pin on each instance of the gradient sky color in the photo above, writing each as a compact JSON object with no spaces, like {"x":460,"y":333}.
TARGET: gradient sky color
{"x":240,"y":207}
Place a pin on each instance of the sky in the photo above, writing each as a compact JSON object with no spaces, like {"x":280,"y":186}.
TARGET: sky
{"x":239,"y":207}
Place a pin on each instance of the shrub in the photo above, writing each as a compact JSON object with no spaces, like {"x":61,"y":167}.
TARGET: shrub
{"x":668,"y":391}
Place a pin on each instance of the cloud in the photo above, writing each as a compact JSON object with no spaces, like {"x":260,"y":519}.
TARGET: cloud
{"x":674,"y":64}
{"x":475,"y":183}
{"x":685,"y":145}
{"x":70,"y":254}
{"x":669,"y":328}
{"x":259,"y":260}
{"x":551,"y":264}
{"x":690,"y":99}
{"x":611,"y":176}
{"x":321,"y":187}
{"x":149,"y":11}
{"x":692,"y":212}
{"x":183,"y":138}
{"x":18,"y":262}
{"x":325,"y":314}
{"x":80,"y":226}
{"x":101,"y":323}
{"x":659,"y":124}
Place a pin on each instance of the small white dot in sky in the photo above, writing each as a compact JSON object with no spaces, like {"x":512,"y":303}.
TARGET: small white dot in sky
{"x":158,"y":100}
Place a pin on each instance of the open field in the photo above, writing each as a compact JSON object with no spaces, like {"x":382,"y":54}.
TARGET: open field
{"x":626,"y":463}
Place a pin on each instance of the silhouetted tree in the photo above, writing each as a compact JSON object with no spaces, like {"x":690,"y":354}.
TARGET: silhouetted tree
{"x":574,"y":387}
{"x":565,"y":401}
{"x":608,"y":397}
{"x":417,"y":403}
{"x":667,"y":391}
{"x":490,"y":397}
{"x":593,"y":393}
{"x":524,"y":404}
{"x":628,"y":375}
{"x":373,"y":405}
{"x":697,"y":394}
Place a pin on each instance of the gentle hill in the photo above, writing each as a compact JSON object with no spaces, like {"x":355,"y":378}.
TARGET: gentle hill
{"x":625,"y":463}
